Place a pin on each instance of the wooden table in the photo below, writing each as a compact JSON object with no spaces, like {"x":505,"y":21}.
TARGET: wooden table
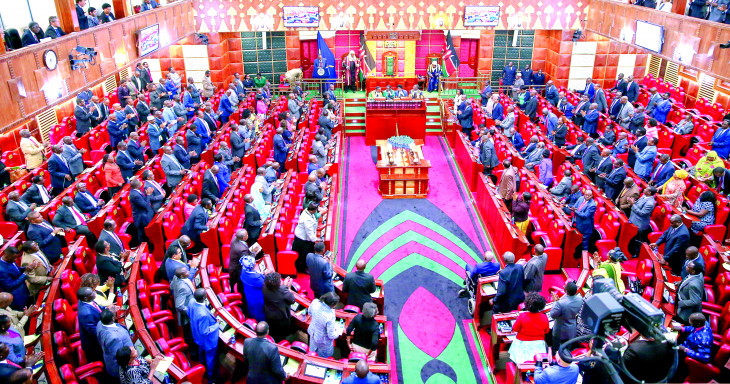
{"x":403,"y":178}
{"x":391,"y":118}
{"x":407,"y":82}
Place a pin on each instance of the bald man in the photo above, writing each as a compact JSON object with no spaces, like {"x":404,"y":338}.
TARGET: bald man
{"x":17,"y":318}
{"x":358,"y":285}
{"x":362,"y":375}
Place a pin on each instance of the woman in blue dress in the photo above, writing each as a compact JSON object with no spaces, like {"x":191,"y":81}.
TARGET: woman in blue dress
{"x":434,"y":74}
{"x":253,"y":285}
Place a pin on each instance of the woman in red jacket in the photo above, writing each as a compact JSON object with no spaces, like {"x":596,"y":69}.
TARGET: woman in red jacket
{"x":114,"y":179}
{"x":531,"y":328}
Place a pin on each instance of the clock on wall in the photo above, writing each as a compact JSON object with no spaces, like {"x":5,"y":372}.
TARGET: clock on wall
{"x":50,"y":59}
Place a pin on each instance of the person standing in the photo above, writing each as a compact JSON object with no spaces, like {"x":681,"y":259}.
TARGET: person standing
{"x":263,"y":358}
{"x":323,"y":328}
{"x":507,"y":183}
{"x":564,"y":312}
{"x":488,"y":154}
{"x":641,"y":212}
{"x":305,"y":235}
{"x":510,"y":287}
{"x":33,"y":151}
{"x":690,"y":293}
{"x":584,"y":212}
{"x":359,"y":285}
{"x":508,"y":77}
{"x":560,"y":373}
{"x":205,"y":333}
{"x":363,"y":332}
{"x":350,"y":65}
{"x":320,"y":271}
{"x":278,"y":299}
{"x":112,"y":337}
{"x":534,"y":270}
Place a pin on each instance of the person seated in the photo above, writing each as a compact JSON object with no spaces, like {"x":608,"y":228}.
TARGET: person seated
{"x":400,"y":92}
{"x":375,"y":94}
{"x":389,"y":94}
{"x":49,"y":238}
{"x":108,"y":265}
{"x":37,"y":193}
{"x":611,"y":268}
{"x":531,"y":328}
{"x":11,"y":338}
{"x":416,"y":93}
{"x":86,"y":202}
{"x":104,"y":293}
{"x":363,"y":332}
{"x":560,"y":373}
{"x":42,"y":274}
{"x":486,"y":268}
{"x":362,"y":375}
{"x":562,"y":189}
{"x":17,"y":210}
{"x":134,"y":369}
{"x":698,"y":344}
{"x":18,"y":319}
{"x":69,"y":217}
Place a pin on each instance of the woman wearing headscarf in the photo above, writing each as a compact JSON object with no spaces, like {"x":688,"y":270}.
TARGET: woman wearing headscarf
{"x":257,"y":190}
{"x":703,"y":168}
{"x":611,"y":268}
{"x":253,"y":285}
{"x":673,"y":190}
{"x":434,"y":75}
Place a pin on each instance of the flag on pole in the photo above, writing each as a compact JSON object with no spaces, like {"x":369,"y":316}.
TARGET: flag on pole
{"x":450,"y":60}
{"x":367,"y":62}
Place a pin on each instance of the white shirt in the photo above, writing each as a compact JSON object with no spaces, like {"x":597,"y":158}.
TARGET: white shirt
{"x":44,"y":194}
{"x":306,"y":229}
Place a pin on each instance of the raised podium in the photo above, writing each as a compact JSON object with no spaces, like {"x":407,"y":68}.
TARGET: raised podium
{"x":387,"y":118}
{"x":403,"y":173}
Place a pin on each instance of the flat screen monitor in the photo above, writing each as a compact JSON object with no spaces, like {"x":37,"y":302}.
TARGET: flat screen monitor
{"x":649,"y":36}
{"x":296,"y":17}
{"x":481,"y":16}
{"x":148,"y":39}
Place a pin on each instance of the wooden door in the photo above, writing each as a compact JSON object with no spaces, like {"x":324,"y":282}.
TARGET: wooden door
{"x":469,"y":56}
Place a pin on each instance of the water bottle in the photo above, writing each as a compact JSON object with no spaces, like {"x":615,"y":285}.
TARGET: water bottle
{"x":167,"y":378}
{"x":120,"y":298}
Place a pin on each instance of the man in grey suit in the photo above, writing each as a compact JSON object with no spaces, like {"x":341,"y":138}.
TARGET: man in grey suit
{"x":112,"y":337}
{"x":641,"y":212}
{"x":535,"y":270}
{"x":143,"y":109}
{"x":109,"y":234}
{"x":228,"y":159}
{"x":564,"y":312}
{"x":73,"y":156}
{"x":294,"y":107}
{"x":625,"y":113}
{"x":239,"y":144}
{"x":319,"y":151}
{"x":637,"y":119}
{"x":487,"y":153}
{"x":174,"y":171}
{"x":83,"y":117}
{"x":17,"y":210}
{"x":600,"y":99}
{"x":509,"y":120}
{"x":182,"y":291}
{"x":562,"y":189}
{"x":70,"y":217}
{"x":690,"y":293}
{"x":655,"y":98}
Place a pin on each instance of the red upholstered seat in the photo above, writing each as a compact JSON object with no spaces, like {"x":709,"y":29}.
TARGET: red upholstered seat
{"x":70,"y":283}
{"x":704,"y":372}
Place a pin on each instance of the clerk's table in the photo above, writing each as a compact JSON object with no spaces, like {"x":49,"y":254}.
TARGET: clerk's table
{"x":402,"y":173}
{"x":388,"y":118}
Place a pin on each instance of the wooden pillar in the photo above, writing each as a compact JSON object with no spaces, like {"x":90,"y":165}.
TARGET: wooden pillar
{"x":66,"y":11}
{"x":120,"y":9}
{"x":679,"y":6}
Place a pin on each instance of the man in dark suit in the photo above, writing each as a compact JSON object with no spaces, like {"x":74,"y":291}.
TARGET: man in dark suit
{"x":13,"y":278}
{"x":134,"y":147}
{"x":45,"y":235}
{"x":692,"y":255}
{"x":676,"y":241}
{"x":604,"y":167}
{"x":158,"y":193}
{"x":721,"y":177}
{"x":142,"y":211}
{"x":69,"y":217}
{"x":534,"y":270}
{"x":60,"y":171}
{"x":531,"y":106}
{"x":640,"y":143}
{"x":106,"y":14}
{"x":591,"y":158}
{"x":17,"y":210}
{"x":663,"y":171}
{"x":465,"y":115}
{"x":181,"y":153}
{"x":54,"y":30}
{"x":143,"y":109}
{"x":37,"y":193}
{"x":584,"y":212}
{"x":690,"y":293}
{"x":359,"y":285}
{"x":89,"y":315}
{"x":197,"y":223}
{"x":211,"y":189}
{"x":325,"y":122}
{"x":637,"y":121}
{"x":320,"y":271}
{"x":30,"y":36}
{"x":126,"y":162}
{"x":551,"y":93}
{"x":239,"y":248}
{"x":86,"y":202}
{"x":281,"y":149}
{"x":81,"y":15}
{"x":620,"y":84}
{"x":583,"y":105}
{"x":263,"y":358}
{"x":565,"y":312}
{"x":109,"y":235}
{"x":183,"y":245}
{"x":509,"y":289}
{"x":613,"y":181}
{"x":252,"y":223}
{"x":632,"y":89}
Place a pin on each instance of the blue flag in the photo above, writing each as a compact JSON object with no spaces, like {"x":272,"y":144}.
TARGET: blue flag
{"x":328,"y":59}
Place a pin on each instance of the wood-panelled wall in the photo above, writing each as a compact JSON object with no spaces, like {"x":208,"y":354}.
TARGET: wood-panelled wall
{"x":24,"y":70}
{"x":609,"y":18}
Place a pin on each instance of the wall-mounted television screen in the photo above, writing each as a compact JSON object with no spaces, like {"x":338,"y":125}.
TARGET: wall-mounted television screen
{"x":295,"y":17}
{"x":481,"y":16}
{"x":148,"y":39}
{"x":649,"y":36}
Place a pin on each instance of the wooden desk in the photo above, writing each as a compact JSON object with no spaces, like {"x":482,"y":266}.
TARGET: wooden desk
{"x":383,"y":81}
{"x":402,"y":179}
{"x":382,"y":123}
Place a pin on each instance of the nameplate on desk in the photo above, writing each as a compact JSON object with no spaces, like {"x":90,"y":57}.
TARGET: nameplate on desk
{"x":317,"y":371}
